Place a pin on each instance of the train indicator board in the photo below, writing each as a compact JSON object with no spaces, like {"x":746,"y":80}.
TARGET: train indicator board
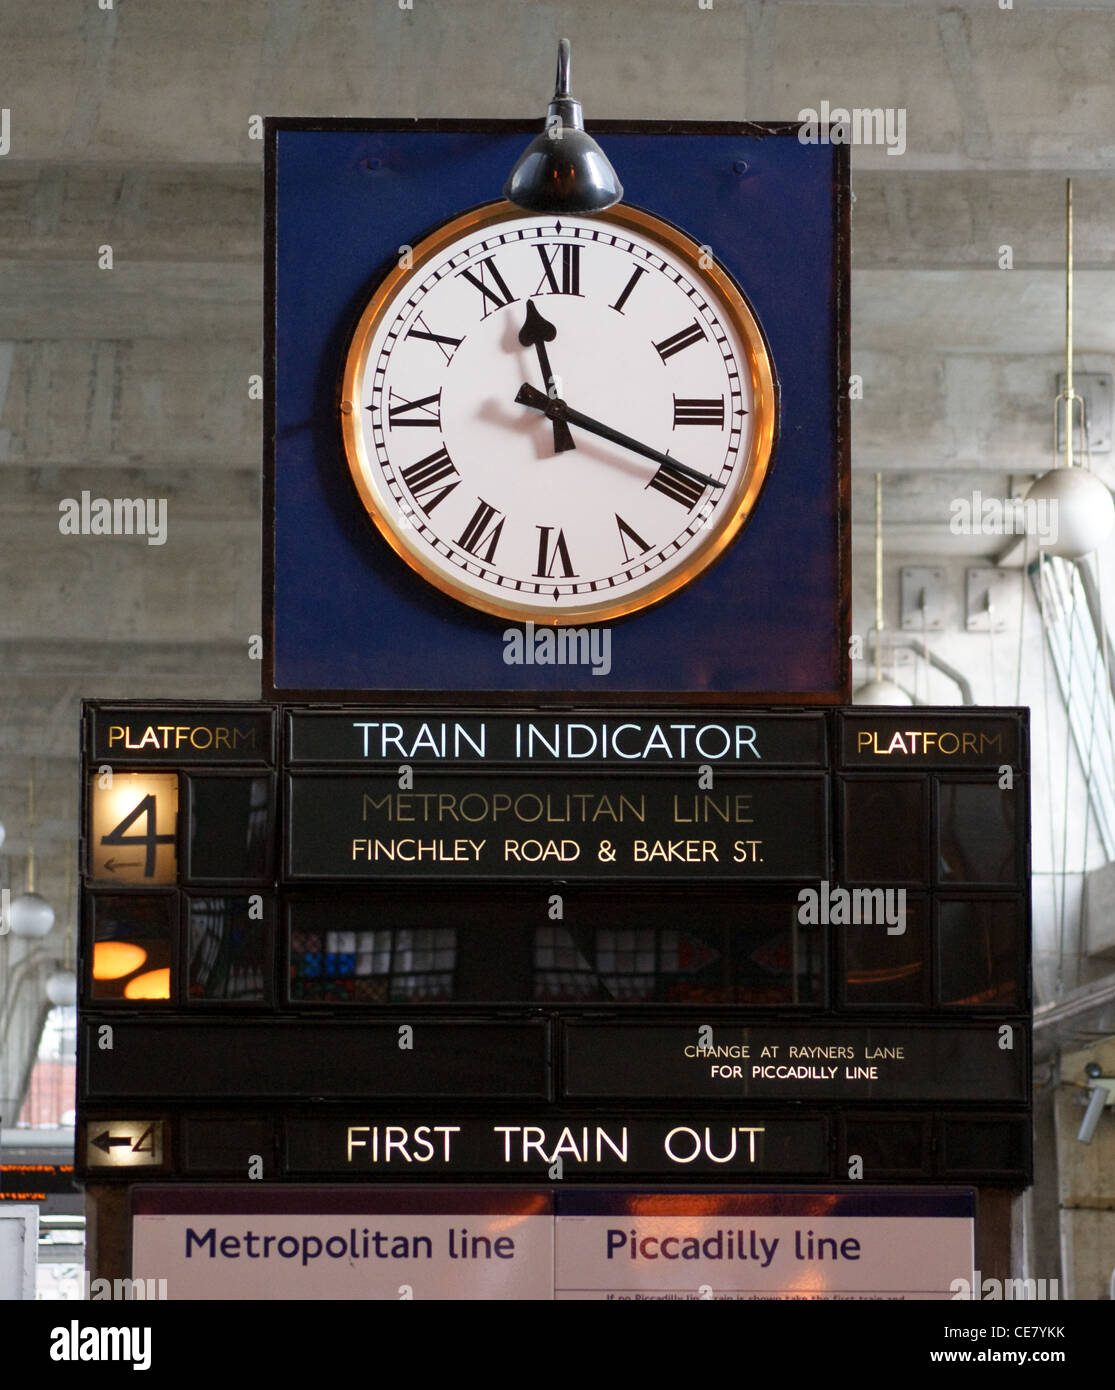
{"x":795,"y":935}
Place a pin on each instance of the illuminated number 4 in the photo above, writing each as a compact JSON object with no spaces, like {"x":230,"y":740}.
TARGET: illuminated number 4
{"x":145,"y":1144}
{"x":151,"y":840}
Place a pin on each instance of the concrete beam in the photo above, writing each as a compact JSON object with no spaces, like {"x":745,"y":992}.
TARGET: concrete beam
{"x":1027,"y":88}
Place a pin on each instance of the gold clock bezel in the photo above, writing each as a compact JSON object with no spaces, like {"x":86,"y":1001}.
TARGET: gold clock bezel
{"x":732,"y":305}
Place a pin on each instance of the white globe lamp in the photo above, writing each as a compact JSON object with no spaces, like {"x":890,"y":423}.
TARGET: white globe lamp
{"x":1082,"y":510}
{"x":31,"y":916}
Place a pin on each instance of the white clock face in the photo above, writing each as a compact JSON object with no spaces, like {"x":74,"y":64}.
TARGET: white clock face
{"x":561,"y":419}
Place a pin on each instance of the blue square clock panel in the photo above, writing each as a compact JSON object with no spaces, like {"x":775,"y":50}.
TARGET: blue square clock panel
{"x":514,"y":454}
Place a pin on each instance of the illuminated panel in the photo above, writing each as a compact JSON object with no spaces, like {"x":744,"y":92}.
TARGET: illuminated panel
{"x":113,"y":960}
{"x":133,"y":831}
{"x":133,"y":946}
{"x":152,"y":984}
{"x":124,"y":1143}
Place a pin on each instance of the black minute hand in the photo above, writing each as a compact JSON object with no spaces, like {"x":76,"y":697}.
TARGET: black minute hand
{"x":557,"y":410}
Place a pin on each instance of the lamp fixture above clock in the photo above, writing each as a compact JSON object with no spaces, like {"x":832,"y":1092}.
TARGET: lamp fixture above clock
{"x":563,"y":169}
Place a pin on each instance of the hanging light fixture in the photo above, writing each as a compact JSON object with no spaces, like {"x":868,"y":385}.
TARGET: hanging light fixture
{"x":879,"y":691}
{"x":61,"y":988}
{"x":1083,"y":504}
{"x":563,"y":169}
{"x":30,"y":915}
{"x":61,"y":983}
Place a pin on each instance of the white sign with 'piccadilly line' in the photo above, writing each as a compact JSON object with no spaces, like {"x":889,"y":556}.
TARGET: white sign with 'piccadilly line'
{"x":735,"y":1256}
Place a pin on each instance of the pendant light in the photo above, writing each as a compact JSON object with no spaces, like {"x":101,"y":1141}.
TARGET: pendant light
{"x":879,"y":691}
{"x":1081,"y":502}
{"x":61,"y":983}
{"x":30,"y":915}
{"x":563,"y":169}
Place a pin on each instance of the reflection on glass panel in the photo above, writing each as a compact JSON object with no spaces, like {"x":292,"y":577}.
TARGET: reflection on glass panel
{"x":980,"y":953}
{"x":373,"y":966}
{"x":560,"y":970}
{"x":889,"y":1144}
{"x":885,"y":829}
{"x":884,"y":969}
{"x":978,"y":1145}
{"x":227,"y":952}
{"x":229,"y":819}
{"x":132,"y":946}
{"x":977,"y":839}
{"x":606,"y":948}
{"x":765,"y":957}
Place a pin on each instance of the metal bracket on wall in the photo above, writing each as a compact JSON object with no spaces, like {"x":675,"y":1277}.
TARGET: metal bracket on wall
{"x":993,"y":600}
{"x":923,"y":599}
{"x":1095,"y":388}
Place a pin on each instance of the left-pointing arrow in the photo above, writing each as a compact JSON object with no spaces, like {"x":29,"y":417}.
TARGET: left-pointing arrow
{"x":104,"y":1141}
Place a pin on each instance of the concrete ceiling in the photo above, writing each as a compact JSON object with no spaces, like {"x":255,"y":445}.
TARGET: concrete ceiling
{"x":130,"y":127}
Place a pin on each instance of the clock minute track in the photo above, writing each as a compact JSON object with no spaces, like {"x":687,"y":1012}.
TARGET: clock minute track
{"x":441,"y":431}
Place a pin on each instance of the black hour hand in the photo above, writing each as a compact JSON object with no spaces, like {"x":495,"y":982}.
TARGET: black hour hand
{"x":536,"y":332}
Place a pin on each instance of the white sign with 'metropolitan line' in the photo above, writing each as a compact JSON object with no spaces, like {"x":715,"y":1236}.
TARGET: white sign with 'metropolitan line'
{"x":360,"y":1255}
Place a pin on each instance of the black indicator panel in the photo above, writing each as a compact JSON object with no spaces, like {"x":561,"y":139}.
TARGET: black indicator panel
{"x":586,"y":740}
{"x":809,"y":1062}
{"x":493,"y":825}
{"x":211,"y":1060}
{"x":790,"y":935}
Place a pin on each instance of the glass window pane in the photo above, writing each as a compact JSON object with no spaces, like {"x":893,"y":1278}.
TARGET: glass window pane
{"x":230,"y":820}
{"x":885,"y":831}
{"x":883,"y":969}
{"x":980,"y":952}
{"x":977,"y":835}
{"x":227,"y":951}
